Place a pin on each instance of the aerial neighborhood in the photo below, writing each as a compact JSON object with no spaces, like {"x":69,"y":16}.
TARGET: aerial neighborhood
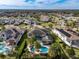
{"x":41,"y":35}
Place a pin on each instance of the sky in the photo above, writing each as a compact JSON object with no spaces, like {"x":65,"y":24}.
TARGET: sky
{"x":39,"y":4}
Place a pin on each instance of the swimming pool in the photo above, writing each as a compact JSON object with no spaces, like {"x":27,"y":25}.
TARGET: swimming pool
{"x":3,"y":49}
{"x":42,"y":49}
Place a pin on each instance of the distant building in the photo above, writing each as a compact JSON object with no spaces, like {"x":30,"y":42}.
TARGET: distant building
{"x":44,"y":18}
{"x":72,"y":18}
{"x":77,"y":23}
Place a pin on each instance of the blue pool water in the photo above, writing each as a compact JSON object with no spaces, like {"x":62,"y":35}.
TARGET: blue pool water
{"x":42,"y":49}
{"x":3,"y":49}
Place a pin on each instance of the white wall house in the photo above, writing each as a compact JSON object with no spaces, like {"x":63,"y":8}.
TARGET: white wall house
{"x":62,"y":36}
{"x":69,"y":41}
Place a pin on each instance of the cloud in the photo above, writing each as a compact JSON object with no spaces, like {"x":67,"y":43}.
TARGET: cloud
{"x":13,"y":2}
{"x":26,"y":2}
{"x":40,"y":4}
{"x":67,"y":4}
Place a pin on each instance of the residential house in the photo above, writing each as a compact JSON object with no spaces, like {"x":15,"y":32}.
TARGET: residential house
{"x":68,"y":36}
{"x":44,"y":18}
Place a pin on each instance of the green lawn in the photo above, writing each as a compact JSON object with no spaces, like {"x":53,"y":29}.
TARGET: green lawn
{"x":21,"y":44}
{"x":22,"y":25}
{"x":20,"y":49}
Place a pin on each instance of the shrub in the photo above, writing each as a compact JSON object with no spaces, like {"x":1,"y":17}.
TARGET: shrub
{"x":71,"y":51}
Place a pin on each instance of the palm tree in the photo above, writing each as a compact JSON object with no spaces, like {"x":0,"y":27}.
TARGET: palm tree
{"x":51,"y":52}
{"x":30,"y":41}
{"x":34,"y":38}
{"x":50,"y":24}
{"x":71,"y":23}
{"x":55,"y":50}
{"x":71,"y":52}
{"x":27,"y":54}
{"x":3,"y":28}
{"x":37,"y":45}
{"x":58,"y":50}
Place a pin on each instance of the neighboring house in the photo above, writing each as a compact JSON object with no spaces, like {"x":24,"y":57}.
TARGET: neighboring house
{"x":17,"y":21}
{"x":77,"y":23}
{"x":26,"y":21}
{"x":72,"y":18}
{"x":11,"y":21}
{"x":29,"y":22}
{"x":10,"y":37}
{"x":70,"y":37}
{"x":14,"y":33}
{"x":44,"y":18}
{"x":61,"y":15}
{"x":41,"y":36}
